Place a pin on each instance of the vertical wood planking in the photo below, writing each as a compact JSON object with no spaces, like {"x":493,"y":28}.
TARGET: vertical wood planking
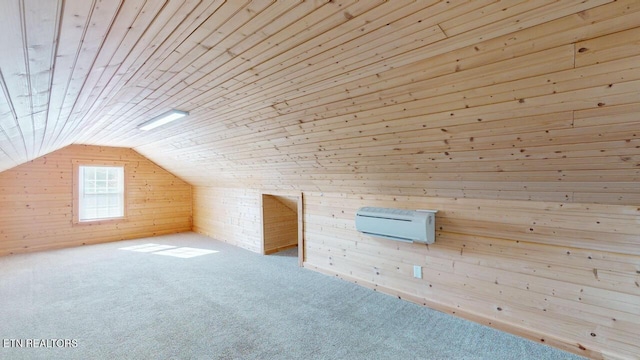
{"x":85,"y":54}
{"x":120,"y":26}
{"x":75,"y":22}
{"x":10,"y":134}
{"x":15,"y":75}
{"x":41,"y":34}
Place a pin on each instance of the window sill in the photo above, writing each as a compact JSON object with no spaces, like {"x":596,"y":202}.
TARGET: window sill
{"x":99,"y":221}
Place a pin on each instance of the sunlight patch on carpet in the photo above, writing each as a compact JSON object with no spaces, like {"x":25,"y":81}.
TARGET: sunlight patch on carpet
{"x":169,"y":250}
{"x":185,"y":252}
{"x":147,"y":247}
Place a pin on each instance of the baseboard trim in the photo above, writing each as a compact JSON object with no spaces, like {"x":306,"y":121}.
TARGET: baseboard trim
{"x":272,"y":251}
{"x":546,"y":339}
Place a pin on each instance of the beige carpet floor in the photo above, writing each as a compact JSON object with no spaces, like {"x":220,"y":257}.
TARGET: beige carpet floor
{"x":108,"y":303}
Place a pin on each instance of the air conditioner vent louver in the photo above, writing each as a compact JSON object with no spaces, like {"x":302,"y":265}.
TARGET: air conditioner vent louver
{"x":397,"y":224}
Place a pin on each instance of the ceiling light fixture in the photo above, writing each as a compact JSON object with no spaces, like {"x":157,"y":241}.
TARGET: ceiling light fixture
{"x":160,"y":120}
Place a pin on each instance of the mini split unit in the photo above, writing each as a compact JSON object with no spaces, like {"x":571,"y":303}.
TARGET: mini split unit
{"x":396,"y":224}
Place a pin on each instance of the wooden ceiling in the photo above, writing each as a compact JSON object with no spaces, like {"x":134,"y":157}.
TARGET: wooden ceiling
{"x":448,"y":98}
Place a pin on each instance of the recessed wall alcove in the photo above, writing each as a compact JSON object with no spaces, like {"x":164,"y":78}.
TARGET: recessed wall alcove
{"x":282,"y":223}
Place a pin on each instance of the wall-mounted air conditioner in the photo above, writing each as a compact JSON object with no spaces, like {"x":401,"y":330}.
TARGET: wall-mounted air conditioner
{"x":396,"y":224}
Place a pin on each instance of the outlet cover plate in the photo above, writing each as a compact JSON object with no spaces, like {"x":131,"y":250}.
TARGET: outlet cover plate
{"x":417,"y":271}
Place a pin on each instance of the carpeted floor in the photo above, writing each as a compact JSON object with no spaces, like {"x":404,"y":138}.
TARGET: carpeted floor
{"x":120,"y":304}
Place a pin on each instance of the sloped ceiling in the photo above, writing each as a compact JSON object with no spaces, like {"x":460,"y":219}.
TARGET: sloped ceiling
{"x":321,"y":95}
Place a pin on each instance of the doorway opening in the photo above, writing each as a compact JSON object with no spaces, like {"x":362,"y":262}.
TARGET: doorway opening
{"x":282,"y":225}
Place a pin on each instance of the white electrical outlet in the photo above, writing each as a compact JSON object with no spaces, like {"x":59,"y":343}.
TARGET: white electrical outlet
{"x":417,"y":271}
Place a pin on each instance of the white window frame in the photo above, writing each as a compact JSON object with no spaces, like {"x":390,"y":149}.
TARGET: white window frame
{"x":113,"y":191}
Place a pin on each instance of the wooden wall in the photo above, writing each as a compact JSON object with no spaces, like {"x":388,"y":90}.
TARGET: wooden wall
{"x":518,"y":121}
{"x":563,"y":274}
{"x":229,"y":215}
{"x":279,"y":223}
{"x":36,"y":202}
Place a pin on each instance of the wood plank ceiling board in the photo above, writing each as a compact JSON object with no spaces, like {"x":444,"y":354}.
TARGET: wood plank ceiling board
{"x":147,"y":31}
{"x":26,"y":74}
{"x":397,"y":96}
{"x":288,"y":32}
{"x":67,"y":61}
{"x":132,"y":19}
{"x":84,"y":32}
{"x":10,"y":131}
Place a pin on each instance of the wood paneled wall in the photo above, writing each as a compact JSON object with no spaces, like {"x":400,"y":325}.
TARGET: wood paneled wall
{"x":564,"y":274}
{"x":229,"y":215}
{"x":36,"y":202}
{"x":279,"y":223}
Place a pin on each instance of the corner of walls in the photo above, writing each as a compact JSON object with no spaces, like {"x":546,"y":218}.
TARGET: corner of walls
{"x":228,"y":214}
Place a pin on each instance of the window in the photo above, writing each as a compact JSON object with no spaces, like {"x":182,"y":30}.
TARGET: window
{"x":100,"y":192}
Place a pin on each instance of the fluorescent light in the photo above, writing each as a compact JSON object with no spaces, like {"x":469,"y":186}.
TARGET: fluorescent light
{"x":165,"y":118}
